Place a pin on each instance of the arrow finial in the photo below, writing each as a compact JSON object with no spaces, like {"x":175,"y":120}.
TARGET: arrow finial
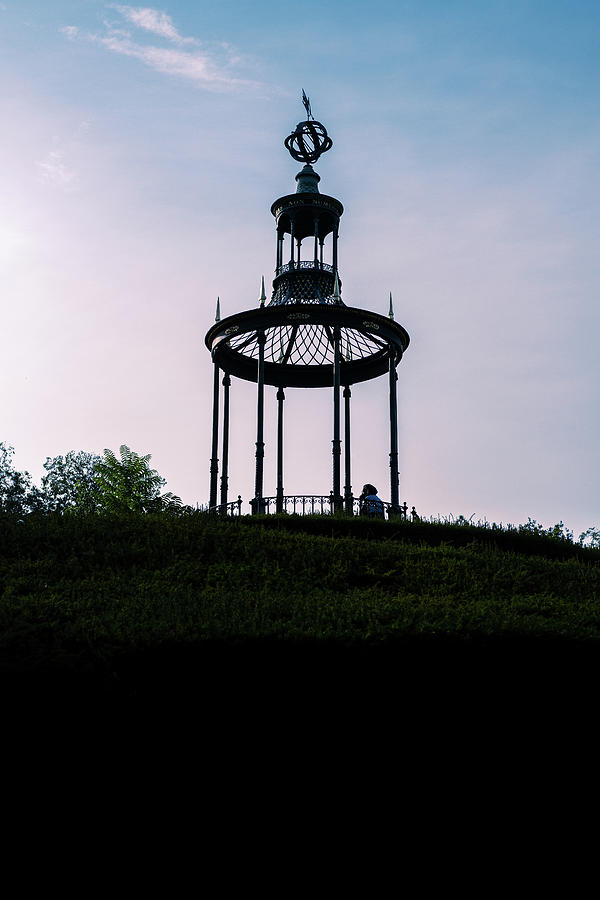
{"x":218,"y":313}
{"x":263,"y":296}
{"x":306,"y":102}
{"x":391,"y":308}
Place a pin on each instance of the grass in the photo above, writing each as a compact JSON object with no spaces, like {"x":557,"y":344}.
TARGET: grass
{"x":104,"y":598}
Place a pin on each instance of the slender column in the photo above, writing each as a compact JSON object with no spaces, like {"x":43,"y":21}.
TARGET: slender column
{"x":214,"y":461}
{"x":278,"y":251}
{"x":335,"y":248}
{"x":260,"y":410}
{"x":225,"y":472}
{"x":279,"y":498}
{"x":316,"y":241}
{"x":394,"y":474}
{"x":292,"y":243}
{"x":347,"y":485}
{"x":299,"y":243}
{"x":322,"y":241}
{"x":337,"y":450}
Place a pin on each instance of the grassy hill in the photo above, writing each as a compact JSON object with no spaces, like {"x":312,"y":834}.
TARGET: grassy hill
{"x":123,"y":605}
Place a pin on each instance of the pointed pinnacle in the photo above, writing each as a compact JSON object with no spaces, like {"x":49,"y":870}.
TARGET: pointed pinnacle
{"x":348,"y":354}
{"x":218,"y":314}
{"x":336,"y":290}
{"x":391,"y":307}
{"x":263,"y":296}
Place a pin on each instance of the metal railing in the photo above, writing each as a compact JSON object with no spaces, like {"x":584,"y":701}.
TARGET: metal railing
{"x":325,"y":505}
{"x":298,"y":504}
{"x":304,"y":264}
{"x":227,"y":509}
{"x":315,"y":504}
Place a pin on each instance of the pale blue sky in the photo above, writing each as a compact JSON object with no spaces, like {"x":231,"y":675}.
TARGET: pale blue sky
{"x":142,"y":148}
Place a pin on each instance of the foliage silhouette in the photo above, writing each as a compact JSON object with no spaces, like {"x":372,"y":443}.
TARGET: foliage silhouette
{"x":17,"y":493}
{"x":129,"y":484}
{"x":70,"y":482}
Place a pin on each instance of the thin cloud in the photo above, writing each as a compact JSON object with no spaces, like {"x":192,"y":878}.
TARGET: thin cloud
{"x":211,"y":67}
{"x":70,"y":31}
{"x":197,"y":67}
{"x":152,"y":20}
{"x":54,"y":170}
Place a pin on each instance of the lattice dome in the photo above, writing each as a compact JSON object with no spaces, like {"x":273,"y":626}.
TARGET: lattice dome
{"x":307,"y":345}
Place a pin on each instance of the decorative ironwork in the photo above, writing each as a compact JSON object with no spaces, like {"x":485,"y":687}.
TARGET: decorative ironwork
{"x":306,"y":102}
{"x":308,"y":142}
{"x":304,"y":284}
{"x":324,"y":505}
{"x":306,"y":344}
{"x":304,"y":264}
{"x":227,"y":509}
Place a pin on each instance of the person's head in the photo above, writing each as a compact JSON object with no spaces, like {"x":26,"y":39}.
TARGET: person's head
{"x":369,"y":489}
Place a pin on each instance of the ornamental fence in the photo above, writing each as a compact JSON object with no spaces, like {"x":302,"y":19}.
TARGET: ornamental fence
{"x":316,"y":504}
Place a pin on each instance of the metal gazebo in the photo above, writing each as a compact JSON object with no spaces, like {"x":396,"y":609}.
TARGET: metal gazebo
{"x":306,"y":336}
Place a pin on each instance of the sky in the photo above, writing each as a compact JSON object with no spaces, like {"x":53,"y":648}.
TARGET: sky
{"x":141,"y":150}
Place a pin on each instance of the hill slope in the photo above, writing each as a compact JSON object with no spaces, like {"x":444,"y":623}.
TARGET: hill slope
{"x":106,"y":598}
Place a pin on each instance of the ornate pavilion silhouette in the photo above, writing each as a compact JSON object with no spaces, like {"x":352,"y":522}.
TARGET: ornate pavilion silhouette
{"x":305,"y":337}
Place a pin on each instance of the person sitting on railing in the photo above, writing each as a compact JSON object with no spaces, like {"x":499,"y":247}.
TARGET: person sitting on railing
{"x":370,"y":504}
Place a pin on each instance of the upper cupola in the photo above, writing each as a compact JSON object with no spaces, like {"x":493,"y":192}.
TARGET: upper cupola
{"x":308,"y":218}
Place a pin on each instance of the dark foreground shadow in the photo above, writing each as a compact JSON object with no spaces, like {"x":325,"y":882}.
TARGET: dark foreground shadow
{"x":269,"y":678}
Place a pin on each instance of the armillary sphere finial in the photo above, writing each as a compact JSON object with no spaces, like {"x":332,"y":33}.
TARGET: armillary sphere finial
{"x":310,"y":139}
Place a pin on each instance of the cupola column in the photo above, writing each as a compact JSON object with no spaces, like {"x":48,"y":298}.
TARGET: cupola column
{"x":214,"y":460}
{"x":316,"y":241}
{"x":225,"y":472}
{"x":292,"y":242}
{"x":394,"y":474}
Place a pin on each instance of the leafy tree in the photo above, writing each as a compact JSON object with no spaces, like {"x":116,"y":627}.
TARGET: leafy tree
{"x":129,"y":484}
{"x":590,"y":537}
{"x":70,"y":482}
{"x":17,"y":494}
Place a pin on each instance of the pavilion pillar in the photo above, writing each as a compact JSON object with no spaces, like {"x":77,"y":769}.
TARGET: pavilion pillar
{"x":316,"y":241}
{"x":337,"y":450}
{"x":225,"y":472}
{"x":394,"y":474}
{"x":348,"y":504}
{"x":292,"y":237}
{"x":258,"y":506}
{"x":214,"y":460}
{"x":279,"y":497}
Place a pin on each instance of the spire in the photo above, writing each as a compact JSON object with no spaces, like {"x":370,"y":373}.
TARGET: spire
{"x":348,"y":351}
{"x":263,"y":296}
{"x":391,"y":308}
{"x":218,"y":313}
{"x":337,"y":297}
